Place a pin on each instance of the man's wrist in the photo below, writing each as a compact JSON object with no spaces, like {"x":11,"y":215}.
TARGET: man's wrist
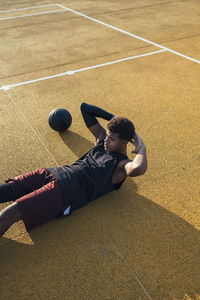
{"x":142,"y":149}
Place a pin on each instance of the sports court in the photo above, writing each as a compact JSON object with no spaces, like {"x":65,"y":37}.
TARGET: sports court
{"x":138,"y":59}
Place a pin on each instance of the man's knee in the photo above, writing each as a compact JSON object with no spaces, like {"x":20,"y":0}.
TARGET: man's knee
{"x":11,"y":213}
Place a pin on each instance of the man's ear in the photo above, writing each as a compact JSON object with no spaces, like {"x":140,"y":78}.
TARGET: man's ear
{"x":125,"y":142}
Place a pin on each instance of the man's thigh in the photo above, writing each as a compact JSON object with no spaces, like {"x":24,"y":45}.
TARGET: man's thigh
{"x":41,"y":205}
{"x":28,"y":182}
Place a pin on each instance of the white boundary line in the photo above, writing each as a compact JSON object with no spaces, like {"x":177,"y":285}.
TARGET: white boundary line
{"x":7,"y":87}
{"x":30,"y":7}
{"x":42,"y":13}
{"x":23,"y":115}
{"x":130,"y":34}
{"x":134,"y":273}
{"x":115,"y":61}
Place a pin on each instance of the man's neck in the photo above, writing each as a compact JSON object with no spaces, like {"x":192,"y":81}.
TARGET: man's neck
{"x":123,"y":151}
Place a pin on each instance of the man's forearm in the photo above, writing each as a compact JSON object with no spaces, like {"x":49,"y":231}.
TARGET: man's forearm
{"x":139,"y":164}
{"x":89,"y":112}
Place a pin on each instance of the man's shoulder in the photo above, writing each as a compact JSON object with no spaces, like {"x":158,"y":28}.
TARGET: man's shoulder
{"x":120,"y":173}
{"x":99,"y":142}
{"x":122,"y":163}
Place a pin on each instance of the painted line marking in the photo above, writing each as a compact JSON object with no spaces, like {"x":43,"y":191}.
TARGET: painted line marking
{"x":35,"y":14}
{"x":125,"y":261}
{"x":7,"y":87}
{"x":116,"y":61}
{"x":130,"y":34}
{"x":32,"y":128}
{"x":30,"y":7}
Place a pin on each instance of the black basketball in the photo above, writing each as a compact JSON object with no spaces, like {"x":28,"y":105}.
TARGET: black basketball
{"x":60,"y":119}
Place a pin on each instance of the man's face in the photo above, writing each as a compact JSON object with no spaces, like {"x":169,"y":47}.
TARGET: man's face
{"x":112,"y":142}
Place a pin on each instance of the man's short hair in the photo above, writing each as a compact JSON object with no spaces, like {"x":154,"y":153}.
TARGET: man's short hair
{"x":123,"y":127}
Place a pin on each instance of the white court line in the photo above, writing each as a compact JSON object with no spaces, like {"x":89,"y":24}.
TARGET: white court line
{"x":115,"y":61}
{"x":23,"y":115}
{"x":7,"y":87}
{"x":42,"y":13}
{"x":134,"y":273}
{"x":30,"y":7}
{"x":130,"y":34}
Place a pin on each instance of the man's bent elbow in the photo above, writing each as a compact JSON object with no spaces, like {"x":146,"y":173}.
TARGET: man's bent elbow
{"x":138,"y":171}
{"x":144,"y":168}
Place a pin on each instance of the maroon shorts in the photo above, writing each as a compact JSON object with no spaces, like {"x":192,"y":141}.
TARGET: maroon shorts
{"x":38,"y":197}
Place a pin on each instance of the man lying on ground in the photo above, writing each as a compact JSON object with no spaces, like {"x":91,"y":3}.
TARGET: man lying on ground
{"x":47,"y":193}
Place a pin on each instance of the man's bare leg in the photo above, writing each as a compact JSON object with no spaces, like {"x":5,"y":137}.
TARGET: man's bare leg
{"x":9,"y":216}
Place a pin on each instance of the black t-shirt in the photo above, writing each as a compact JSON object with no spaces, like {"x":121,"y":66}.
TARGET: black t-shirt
{"x":89,"y":178}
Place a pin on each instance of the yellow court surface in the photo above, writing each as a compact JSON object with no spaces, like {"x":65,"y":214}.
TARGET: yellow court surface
{"x":136,"y":59}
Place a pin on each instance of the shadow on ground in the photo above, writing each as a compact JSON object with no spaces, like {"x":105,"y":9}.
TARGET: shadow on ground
{"x":76,"y":143}
{"x":160,"y":247}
